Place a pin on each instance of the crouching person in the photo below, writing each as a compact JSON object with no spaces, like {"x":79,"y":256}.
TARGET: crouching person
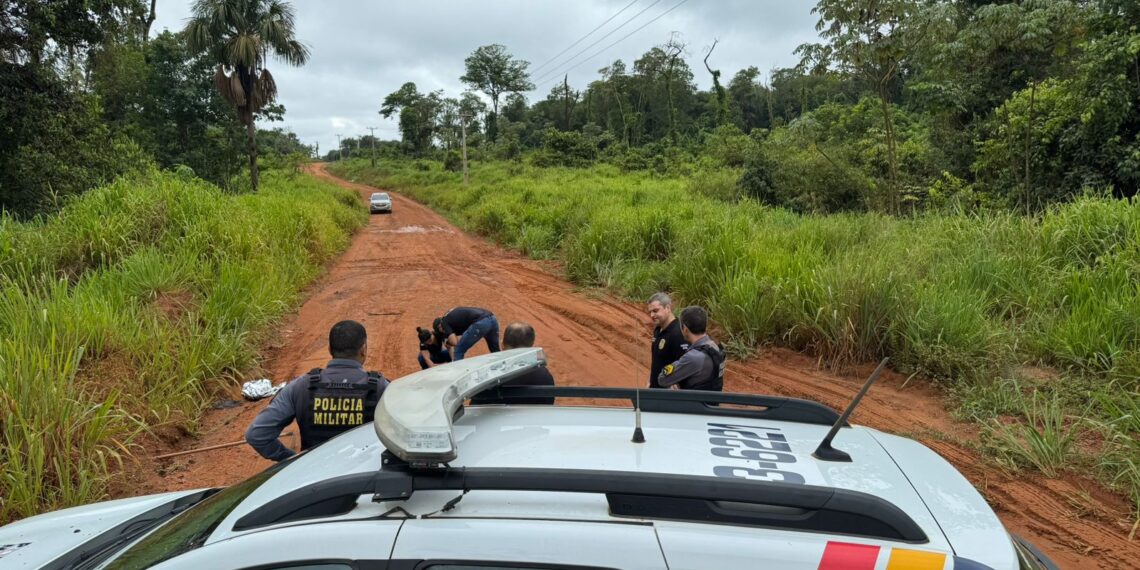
{"x":325,"y":402}
{"x":432,"y":350}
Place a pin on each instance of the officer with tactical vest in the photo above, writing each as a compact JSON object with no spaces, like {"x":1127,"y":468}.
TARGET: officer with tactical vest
{"x":701,"y":367}
{"x":325,"y":402}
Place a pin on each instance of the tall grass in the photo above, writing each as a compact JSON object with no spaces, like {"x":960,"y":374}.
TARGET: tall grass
{"x":959,"y":299}
{"x":115,"y":312}
{"x":1045,"y":441}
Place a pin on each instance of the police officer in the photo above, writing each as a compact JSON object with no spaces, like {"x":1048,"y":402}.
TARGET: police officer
{"x":520,"y":335}
{"x":432,"y":351}
{"x":668,"y":344}
{"x":325,"y":402}
{"x":701,"y":367}
{"x":462,"y":327}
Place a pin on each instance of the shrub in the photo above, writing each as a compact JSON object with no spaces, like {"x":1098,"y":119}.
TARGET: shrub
{"x":566,"y":148}
{"x":453,"y":161}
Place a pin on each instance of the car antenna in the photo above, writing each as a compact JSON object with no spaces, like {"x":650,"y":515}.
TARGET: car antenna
{"x":827,"y":453}
{"x":638,"y":435}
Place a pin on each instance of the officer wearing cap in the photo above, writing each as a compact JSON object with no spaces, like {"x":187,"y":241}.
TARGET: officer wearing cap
{"x":325,"y":402}
{"x":701,"y":367}
{"x":668,"y":343}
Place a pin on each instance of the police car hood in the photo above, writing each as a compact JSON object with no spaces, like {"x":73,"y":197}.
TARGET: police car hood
{"x":35,"y":541}
{"x":901,"y":471}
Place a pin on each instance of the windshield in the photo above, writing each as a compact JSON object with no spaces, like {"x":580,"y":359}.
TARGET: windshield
{"x":190,"y":529}
{"x":379,"y":196}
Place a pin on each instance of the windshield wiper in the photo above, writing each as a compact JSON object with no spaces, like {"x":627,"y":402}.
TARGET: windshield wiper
{"x":95,"y":551}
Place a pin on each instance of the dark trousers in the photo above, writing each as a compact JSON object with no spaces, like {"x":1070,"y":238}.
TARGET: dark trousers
{"x":441,"y":357}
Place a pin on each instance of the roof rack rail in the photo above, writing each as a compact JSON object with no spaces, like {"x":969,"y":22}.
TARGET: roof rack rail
{"x":784,"y":506}
{"x":684,"y":402}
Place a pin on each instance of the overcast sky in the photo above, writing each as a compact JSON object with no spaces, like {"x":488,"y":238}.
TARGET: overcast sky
{"x":363,"y":50}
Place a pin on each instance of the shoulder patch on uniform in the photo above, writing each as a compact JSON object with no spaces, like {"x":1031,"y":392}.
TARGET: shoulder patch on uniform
{"x":668,"y":369}
{"x":661,"y":345}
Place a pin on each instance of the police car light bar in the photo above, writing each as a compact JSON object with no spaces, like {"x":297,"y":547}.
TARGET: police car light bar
{"x":413,"y":418}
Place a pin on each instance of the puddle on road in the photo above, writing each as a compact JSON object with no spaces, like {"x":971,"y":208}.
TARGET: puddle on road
{"x":417,"y":230}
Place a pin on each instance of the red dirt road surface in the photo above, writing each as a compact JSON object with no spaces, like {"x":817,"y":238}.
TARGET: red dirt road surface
{"x":406,"y":268}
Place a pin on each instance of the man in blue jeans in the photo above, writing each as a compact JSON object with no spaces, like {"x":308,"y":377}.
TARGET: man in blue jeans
{"x":462,"y":327}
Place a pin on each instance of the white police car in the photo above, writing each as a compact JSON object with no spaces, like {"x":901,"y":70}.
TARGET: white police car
{"x":438,"y":486}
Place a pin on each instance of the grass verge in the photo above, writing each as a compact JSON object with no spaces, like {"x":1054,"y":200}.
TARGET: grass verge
{"x":116,"y":312}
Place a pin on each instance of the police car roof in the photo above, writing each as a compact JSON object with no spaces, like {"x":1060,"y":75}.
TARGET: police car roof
{"x":936,"y":497}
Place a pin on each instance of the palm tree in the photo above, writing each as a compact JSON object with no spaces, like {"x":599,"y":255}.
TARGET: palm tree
{"x":239,"y":34}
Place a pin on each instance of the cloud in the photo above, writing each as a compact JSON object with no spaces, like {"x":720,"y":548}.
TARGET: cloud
{"x":361,"y":50}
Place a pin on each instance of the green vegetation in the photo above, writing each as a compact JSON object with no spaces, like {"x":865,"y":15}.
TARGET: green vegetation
{"x":116,"y":312}
{"x":87,"y":95}
{"x":903,"y":106}
{"x":961,"y":299}
{"x":933,"y":181}
{"x":238,"y":36}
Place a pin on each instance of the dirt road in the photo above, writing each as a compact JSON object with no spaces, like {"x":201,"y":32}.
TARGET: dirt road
{"x":410,"y":266}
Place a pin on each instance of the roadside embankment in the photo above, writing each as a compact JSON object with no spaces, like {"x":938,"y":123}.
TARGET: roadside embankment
{"x":119,"y":313}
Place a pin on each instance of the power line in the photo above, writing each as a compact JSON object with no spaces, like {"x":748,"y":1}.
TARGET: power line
{"x":623,"y":38}
{"x":547,"y":75}
{"x":547,"y":62}
{"x":555,"y":72}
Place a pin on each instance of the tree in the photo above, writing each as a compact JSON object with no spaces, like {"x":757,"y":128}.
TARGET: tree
{"x":473,"y":107}
{"x":162,"y":96}
{"x":492,"y":70}
{"x":419,"y":115}
{"x":673,"y":50}
{"x":748,"y":100}
{"x":614,"y":79}
{"x":867,"y":38}
{"x":721,"y":97}
{"x":37,"y":32}
{"x":53,"y":142}
{"x":1000,"y":49}
{"x":238,"y":35}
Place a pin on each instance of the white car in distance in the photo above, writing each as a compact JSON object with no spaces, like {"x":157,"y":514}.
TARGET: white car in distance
{"x":705,"y":480}
{"x":380,"y":202}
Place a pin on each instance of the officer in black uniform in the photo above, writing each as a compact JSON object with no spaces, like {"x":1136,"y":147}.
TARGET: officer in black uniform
{"x":702,"y":366}
{"x":324,"y":402}
{"x":668,"y":344}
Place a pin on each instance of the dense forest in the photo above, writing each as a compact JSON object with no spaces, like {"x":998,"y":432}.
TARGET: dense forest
{"x":87,"y":95}
{"x":904,"y":105}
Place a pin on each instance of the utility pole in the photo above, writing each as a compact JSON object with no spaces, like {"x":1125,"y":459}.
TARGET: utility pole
{"x":339,"y":149}
{"x":463,"y":122}
{"x":373,"y":131}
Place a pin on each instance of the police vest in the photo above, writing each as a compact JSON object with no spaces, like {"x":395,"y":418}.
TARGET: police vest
{"x":715,"y":380}
{"x":333,"y":407}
